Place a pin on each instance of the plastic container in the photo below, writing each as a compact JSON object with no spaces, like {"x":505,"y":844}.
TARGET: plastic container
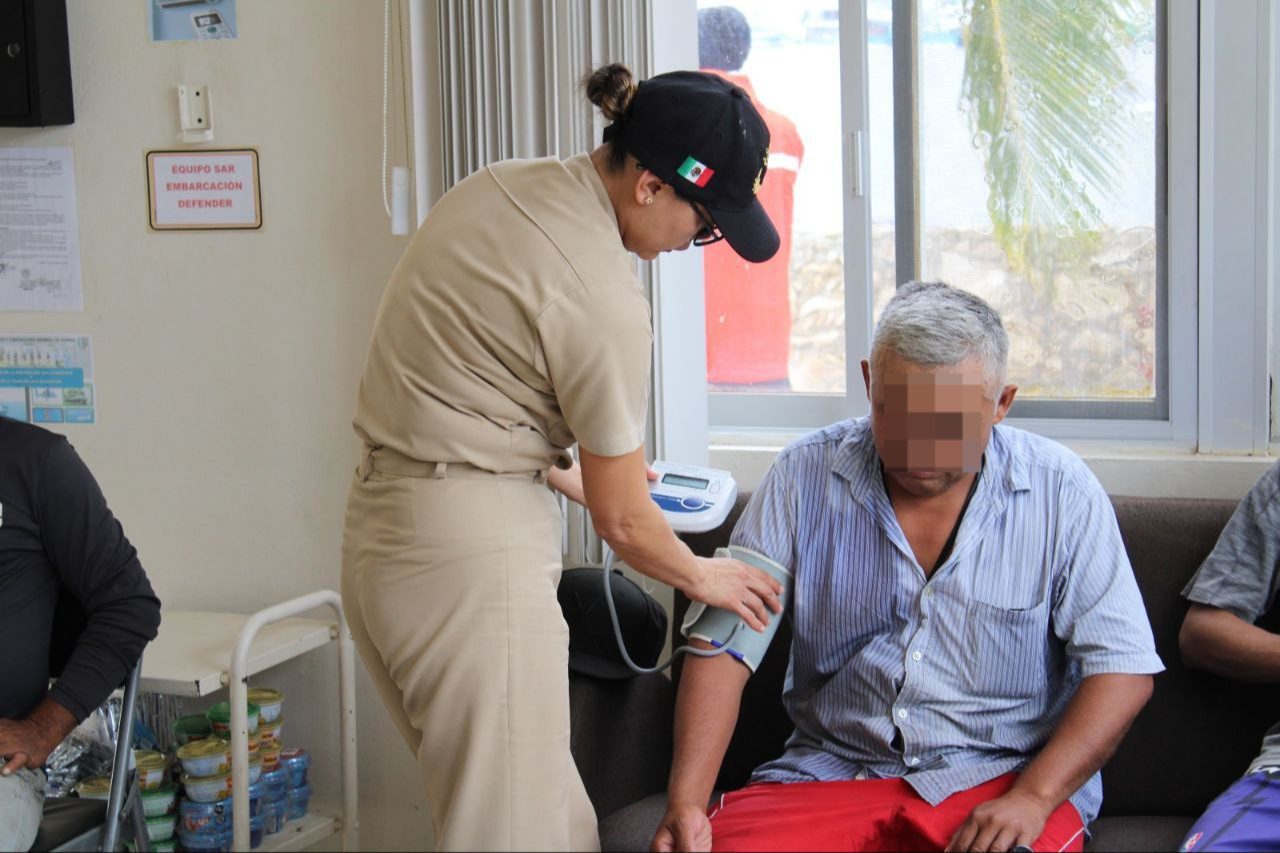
{"x":93,"y":788}
{"x":192,"y":727}
{"x":255,"y":770}
{"x":206,"y":842}
{"x":299,"y":801}
{"x":257,"y":798}
{"x":257,"y":829}
{"x":161,"y":828}
{"x":270,"y":758}
{"x":269,"y":702}
{"x":274,"y":783}
{"x":160,"y":801}
{"x":207,"y":789}
{"x":220,"y":718}
{"x":295,"y":761}
{"x":271,"y":733}
{"x":153,"y":768}
{"x":208,"y":757}
{"x":273,"y":814}
{"x":204,"y":818}
{"x":167,"y":846}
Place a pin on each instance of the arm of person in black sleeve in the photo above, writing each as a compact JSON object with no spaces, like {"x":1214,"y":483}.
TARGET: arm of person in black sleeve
{"x":98,"y":567}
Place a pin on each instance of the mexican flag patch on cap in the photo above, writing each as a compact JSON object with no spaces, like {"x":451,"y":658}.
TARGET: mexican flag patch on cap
{"x":697,"y":173}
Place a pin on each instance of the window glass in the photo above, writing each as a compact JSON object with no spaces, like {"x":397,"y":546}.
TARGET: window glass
{"x":779,"y":326}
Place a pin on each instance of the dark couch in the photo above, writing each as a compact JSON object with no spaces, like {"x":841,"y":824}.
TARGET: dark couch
{"x":1195,"y":737}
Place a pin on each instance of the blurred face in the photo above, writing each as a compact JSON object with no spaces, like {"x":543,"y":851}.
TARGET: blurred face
{"x":931,"y":425}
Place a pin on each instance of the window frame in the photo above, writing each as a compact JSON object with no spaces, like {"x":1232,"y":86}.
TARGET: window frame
{"x":1223,"y":222}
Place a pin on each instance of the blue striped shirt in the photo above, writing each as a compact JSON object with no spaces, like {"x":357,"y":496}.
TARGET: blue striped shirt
{"x":951,"y":680}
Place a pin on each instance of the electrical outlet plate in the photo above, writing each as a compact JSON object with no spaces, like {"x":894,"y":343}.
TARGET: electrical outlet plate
{"x":195,"y":113}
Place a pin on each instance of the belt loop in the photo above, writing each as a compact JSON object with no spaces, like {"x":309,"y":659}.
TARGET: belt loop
{"x":366,"y":464}
{"x":440,"y":469}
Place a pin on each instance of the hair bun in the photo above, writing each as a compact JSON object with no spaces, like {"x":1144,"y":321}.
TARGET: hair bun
{"x":611,"y":88}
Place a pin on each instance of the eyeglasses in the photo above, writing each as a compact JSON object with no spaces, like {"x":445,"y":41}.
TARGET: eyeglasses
{"x":709,"y":232}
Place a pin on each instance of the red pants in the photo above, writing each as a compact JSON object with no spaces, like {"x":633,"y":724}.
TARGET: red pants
{"x":878,"y":814}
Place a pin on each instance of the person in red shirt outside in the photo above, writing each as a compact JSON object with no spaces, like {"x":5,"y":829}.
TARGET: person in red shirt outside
{"x":749,"y":305}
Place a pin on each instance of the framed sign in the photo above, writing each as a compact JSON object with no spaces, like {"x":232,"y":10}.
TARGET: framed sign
{"x":204,"y":190}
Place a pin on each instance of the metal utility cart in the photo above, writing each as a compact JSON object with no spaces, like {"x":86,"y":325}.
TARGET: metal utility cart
{"x":198,"y":653}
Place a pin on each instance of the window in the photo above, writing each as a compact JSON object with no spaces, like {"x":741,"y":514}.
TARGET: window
{"x":1017,"y":150}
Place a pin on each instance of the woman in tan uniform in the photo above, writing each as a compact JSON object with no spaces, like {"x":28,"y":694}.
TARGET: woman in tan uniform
{"x":512,"y":328}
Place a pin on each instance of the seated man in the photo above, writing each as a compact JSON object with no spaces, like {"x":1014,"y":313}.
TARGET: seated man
{"x":1236,"y":585}
{"x":57,"y":537}
{"x":969,"y":642}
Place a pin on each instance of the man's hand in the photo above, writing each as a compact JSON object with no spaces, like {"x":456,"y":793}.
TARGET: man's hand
{"x":1002,"y":824}
{"x":683,"y":827}
{"x":28,"y":742}
{"x":22,"y":745}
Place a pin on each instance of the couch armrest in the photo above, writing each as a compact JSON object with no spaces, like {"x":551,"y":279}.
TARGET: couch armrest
{"x":621,"y":737}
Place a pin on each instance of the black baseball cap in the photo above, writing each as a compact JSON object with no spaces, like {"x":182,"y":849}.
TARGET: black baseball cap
{"x":702,"y":135}
{"x":593,"y":648}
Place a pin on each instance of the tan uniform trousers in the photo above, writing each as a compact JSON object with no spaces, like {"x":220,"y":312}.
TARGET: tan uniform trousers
{"x":449,"y":579}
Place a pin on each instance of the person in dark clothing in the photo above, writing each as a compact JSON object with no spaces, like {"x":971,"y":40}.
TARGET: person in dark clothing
{"x":58,"y":540}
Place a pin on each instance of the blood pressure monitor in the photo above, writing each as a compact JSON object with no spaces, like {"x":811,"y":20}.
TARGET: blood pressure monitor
{"x":693,"y":499}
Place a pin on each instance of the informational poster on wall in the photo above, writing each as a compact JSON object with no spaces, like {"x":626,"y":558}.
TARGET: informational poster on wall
{"x":47,"y":379}
{"x":185,"y":20}
{"x":203,"y":190}
{"x":39,"y":232}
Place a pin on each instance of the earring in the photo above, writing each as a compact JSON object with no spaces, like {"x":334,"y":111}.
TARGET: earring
{"x":648,"y":200}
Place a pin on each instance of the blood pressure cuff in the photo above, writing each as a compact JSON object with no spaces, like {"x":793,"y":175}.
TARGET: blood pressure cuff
{"x":716,"y":626}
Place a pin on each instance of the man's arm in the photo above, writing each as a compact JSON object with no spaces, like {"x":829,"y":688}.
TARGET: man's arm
{"x":99,"y":568}
{"x":706,"y":712}
{"x":1091,"y":728}
{"x":1221,"y":642}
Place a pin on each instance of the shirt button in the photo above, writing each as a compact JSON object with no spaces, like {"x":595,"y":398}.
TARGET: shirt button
{"x":913,"y":761}
{"x":928,"y":592}
{"x":916,"y":656}
{"x":902,"y":713}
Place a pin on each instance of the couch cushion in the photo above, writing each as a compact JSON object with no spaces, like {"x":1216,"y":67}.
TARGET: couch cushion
{"x":1199,"y":732}
{"x":621,"y":737}
{"x":1138,"y":833}
{"x":632,"y":828}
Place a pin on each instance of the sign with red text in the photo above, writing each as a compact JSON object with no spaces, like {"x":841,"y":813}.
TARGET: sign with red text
{"x":195,"y":190}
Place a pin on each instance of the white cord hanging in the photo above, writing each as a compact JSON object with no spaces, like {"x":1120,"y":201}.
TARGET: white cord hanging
{"x":386,"y":60}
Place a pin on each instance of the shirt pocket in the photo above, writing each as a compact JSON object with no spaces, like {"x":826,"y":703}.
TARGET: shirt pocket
{"x":1005,"y":652}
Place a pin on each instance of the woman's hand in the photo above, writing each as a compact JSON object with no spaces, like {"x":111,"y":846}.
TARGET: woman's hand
{"x":568,"y":482}
{"x":735,"y":586}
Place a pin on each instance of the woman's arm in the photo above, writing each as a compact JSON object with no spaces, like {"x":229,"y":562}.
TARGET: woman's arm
{"x":625,"y":516}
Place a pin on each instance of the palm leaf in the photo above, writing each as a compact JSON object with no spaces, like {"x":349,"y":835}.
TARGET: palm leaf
{"x":1043,"y":84}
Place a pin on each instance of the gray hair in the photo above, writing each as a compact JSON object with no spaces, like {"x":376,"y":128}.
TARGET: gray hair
{"x":933,"y":324}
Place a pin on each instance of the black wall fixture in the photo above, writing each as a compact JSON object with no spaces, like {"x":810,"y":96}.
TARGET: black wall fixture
{"x":35,"y":64}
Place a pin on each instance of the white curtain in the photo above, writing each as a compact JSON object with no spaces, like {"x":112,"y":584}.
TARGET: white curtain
{"x":496,"y":79}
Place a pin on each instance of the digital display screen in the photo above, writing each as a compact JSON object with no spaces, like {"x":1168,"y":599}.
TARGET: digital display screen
{"x":207,"y":20}
{"x":687,"y":482}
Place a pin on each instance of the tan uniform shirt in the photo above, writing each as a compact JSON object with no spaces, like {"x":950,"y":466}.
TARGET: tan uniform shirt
{"x":513,"y":326}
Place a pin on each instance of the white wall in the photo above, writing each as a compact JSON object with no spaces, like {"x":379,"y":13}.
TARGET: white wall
{"x":226,"y":363}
